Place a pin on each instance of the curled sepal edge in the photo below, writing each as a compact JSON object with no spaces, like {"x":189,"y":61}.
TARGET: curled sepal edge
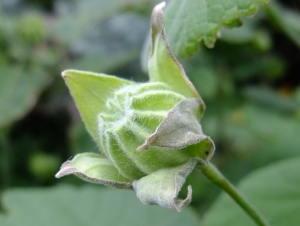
{"x":93,"y":168}
{"x":163,"y":186}
{"x":181,"y":129}
{"x":162,"y":64}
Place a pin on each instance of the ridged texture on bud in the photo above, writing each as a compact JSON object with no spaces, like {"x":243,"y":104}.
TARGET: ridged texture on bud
{"x":134,"y":112}
{"x":149,"y":133}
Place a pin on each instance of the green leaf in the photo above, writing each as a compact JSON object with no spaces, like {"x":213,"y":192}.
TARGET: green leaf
{"x":243,"y":34}
{"x":188,"y":23}
{"x":261,"y":134}
{"x":273,"y":190}
{"x":109,"y":61}
{"x":19,"y":90}
{"x":162,"y":65}
{"x":94,"y":168}
{"x":87,"y":14}
{"x":162,"y":187}
{"x":114,"y":42}
{"x":255,"y":135}
{"x":88,"y":205}
{"x":90,"y":92}
{"x":268,"y":97}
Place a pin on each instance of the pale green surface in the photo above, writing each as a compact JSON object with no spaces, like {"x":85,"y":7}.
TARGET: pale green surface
{"x":18,"y":92}
{"x":163,"y":68}
{"x":181,"y":129}
{"x":120,"y":115}
{"x":132,"y":116}
{"x":273,"y":190}
{"x":162,"y":187}
{"x":86,"y":206}
{"x":188,"y":22}
{"x":162,"y":65}
{"x":90,"y":91}
{"x":94,"y":168}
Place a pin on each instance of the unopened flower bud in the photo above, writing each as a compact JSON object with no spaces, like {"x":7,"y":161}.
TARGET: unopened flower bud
{"x":150,"y":133}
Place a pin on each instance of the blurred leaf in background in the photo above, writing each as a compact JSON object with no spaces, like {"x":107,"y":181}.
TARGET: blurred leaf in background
{"x":249,"y":81}
{"x":88,"y":205}
{"x":38,"y":40}
{"x":273,"y":189}
{"x":18,"y":92}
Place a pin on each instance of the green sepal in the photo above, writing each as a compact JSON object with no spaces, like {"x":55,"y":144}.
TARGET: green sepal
{"x":94,"y":168}
{"x":181,"y":129}
{"x":90,"y":92}
{"x":162,"y":186}
{"x":162,"y":64}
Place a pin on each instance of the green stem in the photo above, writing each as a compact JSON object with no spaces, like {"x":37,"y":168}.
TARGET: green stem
{"x":213,"y":174}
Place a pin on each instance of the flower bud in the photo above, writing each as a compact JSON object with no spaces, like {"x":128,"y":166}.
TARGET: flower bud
{"x":149,"y":133}
{"x":133,"y":113}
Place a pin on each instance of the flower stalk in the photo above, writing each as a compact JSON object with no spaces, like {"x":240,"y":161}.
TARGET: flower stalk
{"x":215,"y":176}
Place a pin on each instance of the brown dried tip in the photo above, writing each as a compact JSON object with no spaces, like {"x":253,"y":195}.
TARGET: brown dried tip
{"x":64,"y":74}
{"x":157,"y":19}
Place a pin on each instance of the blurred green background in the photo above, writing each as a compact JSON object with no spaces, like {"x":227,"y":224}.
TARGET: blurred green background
{"x":250,"y":82}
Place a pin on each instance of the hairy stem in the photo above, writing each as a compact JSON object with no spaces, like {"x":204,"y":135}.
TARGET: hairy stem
{"x":214,"y":175}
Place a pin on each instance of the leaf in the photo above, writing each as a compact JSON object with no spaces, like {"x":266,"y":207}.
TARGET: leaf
{"x":88,"y":205}
{"x":267,"y":97}
{"x":109,"y":61}
{"x":273,"y":190}
{"x":92,"y":90}
{"x":255,"y":135}
{"x":188,"y":23}
{"x":87,"y":14}
{"x":114,"y":42}
{"x":260,"y":135}
{"x":94,"y":168}
{"x":19,"y":90}
{"x":243,"y":34}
